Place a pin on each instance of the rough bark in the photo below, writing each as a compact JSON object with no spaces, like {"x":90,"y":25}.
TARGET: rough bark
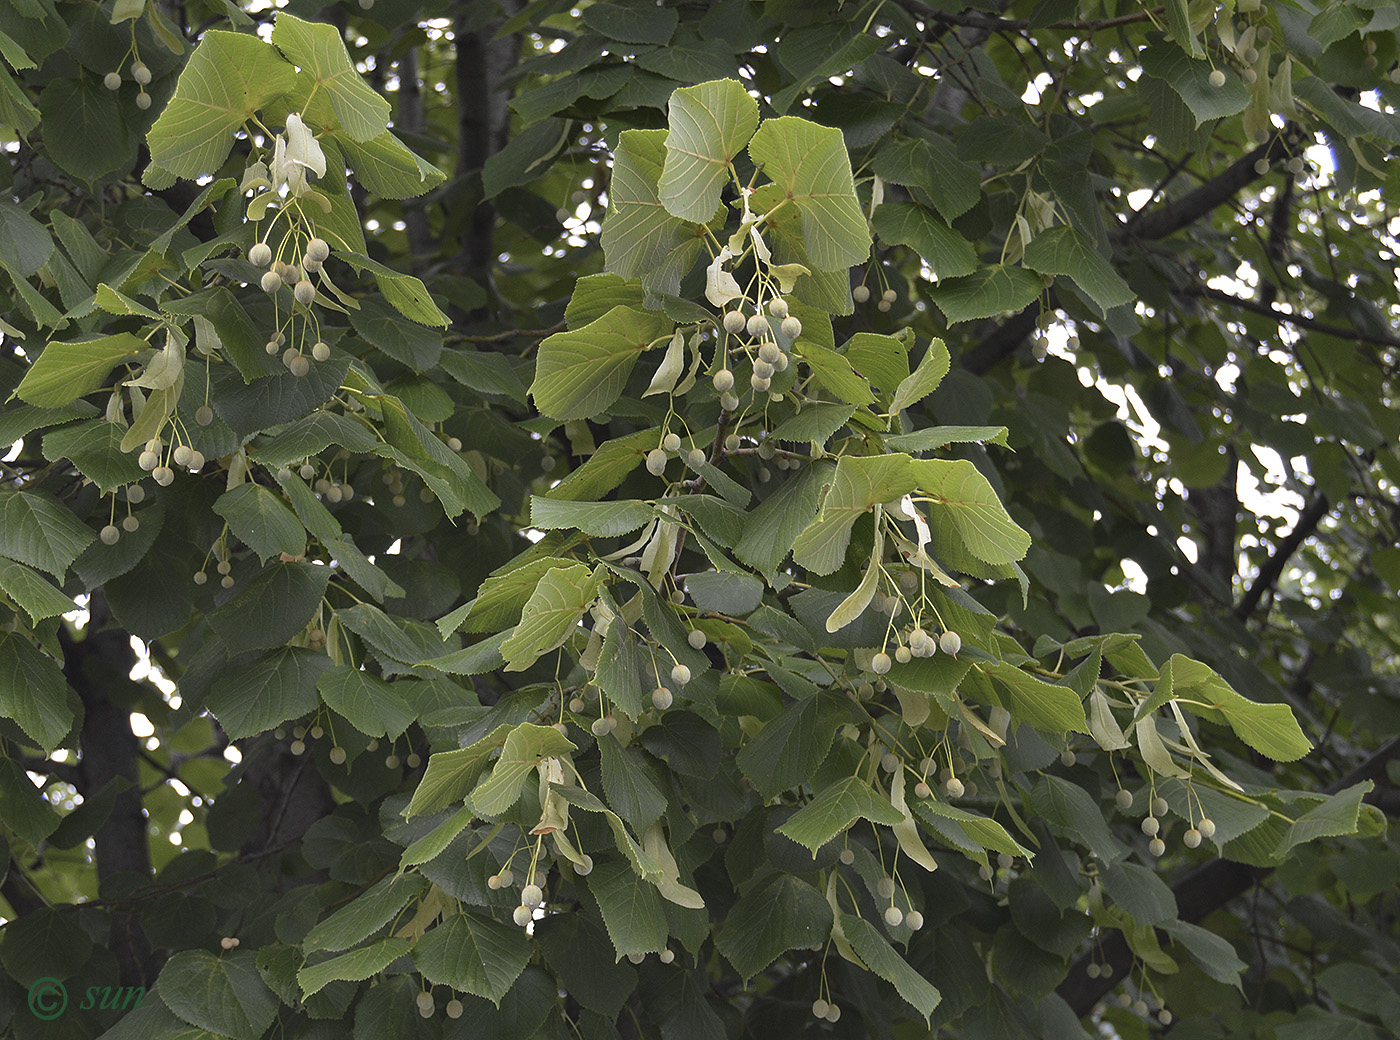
{"x":96,"y":666}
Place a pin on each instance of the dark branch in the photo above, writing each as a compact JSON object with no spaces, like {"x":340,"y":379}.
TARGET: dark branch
{"x":977,"y":20}
{"x":1287,"y":318}
{"x":1151,"y":225}
{"x":1306,"y":524}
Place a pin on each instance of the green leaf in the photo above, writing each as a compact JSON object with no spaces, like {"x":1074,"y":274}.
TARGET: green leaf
{"x":408,"y":295}
{"x":781,"y":913}
{"x":502,"y":596}
{"x":1064,"y":251}
{"x":1336,"y":22}
{"x":550,"y":616}
{"x":23,"y":807}
{"x":835,"y":373}
{"x":632,"y":909}
{"x":436,"y":841}
{"x":880,"y":957}
{"x":1191,"y":80}
{"x":474,"y":954}
{"x":229,"y":77}
{"x":924,"y":380}
{"x":1054,"y":709}
{"x":630,"y":787}
{"x":33,"y":692}
{"x":66,"y":371}
{"x":318,"y":50}
{"x":410,"y":344}
{"x":94,"y":449}
{"x":365,"y":914}
{"x":935,"y":437}
{"x":1141,"y":892}
{"x":84,"y":132}
{"x":953,"y":184}
{"x":1270,"y":729}
{"x":597,"y":519}
{"x":526,"y":156}
{"x":814,"y":52}
{"x":881,"y":360}
{"x":596,"y":294}
{"x":722,"y":592}
{"x":816,"y":422}
{"x":810,"y":165}
{"x":710,"y":124}
{"x":224,"y":995}
{"x":1216,"y":957}
{"x":621,"y":672}
{"x":946,"y":252}
{"x":44,"y":944}
{"x":631,"y":23}
{"x":369,"y":703}
{"x":395,"y":639}
{"x":1178,"y":20}
{"x":451,"y":774}
{"x":356,"y":564}
{"x":964,"y":500}
{"x":640,"y":238}
{"x":570,"y":943}
{"x":987,"y":293}
{"x":25,"y":245}
{"x":272,"y":608}
{"x":31,"y":592}
{"x":787,"y":751}
{"x":525,"y":746}
{"x":16,"y":109}
{"x":837,"y":807}
{"x":1069,"y":807}
{"x":642,"y":865}
{"x":388,"y":169}
{"x":262,"y":521}
{"x":775,"y":525}
{"x":353,"y":966}
{"x":859,"y":485}
{"x":1333,"y":817}
{"x":37,"y":530}
{"x":981,"y":830}
{"x":255,"y":697}
{"x":580,"y":373}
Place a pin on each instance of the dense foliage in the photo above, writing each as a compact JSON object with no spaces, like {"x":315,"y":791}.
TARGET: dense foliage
{"x":698,"y":520}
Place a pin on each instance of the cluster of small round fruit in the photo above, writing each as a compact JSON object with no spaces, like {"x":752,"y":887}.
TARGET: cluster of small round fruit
{"x":1152,"y":825}
{"x":920,"y":644}
{"x":666,"y":955}
{"x":183,"y":455}
{"x":229,"y":942}
{"x":224,"y":568}
{"x":1142,"y":1005}
{"x":861,"y":293}
{"x":426,"y":1004}
{"x":141,"y":74}
{"x":325,"y":487}
{"x":661,"y":697}
{"x":671,"y":445}
{"x":298,"y":277}
{"x":826,"y":1010}
{"x":111,"y":534}
{"x":885,"y":889}
{"x":393,"y":480}
{"x":755,"y":333}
